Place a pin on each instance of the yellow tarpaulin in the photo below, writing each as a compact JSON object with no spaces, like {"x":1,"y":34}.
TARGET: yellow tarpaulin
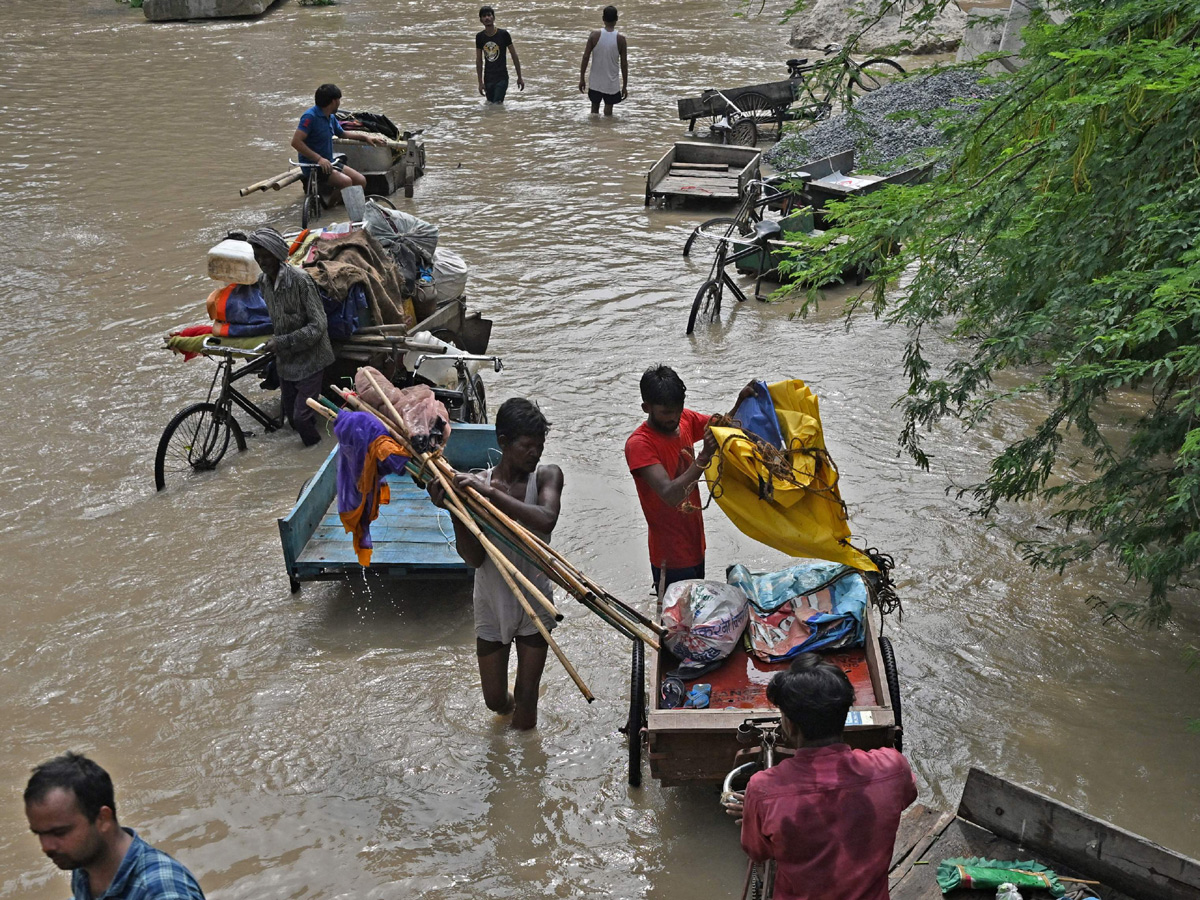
{"x":802,"y":515}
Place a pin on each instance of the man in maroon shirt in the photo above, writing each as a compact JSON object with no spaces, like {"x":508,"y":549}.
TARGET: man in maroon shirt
{"x":828,"y":816}
{"x":666,"y":472}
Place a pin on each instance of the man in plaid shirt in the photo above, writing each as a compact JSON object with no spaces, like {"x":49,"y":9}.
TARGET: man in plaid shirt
{"x":70,"y":806}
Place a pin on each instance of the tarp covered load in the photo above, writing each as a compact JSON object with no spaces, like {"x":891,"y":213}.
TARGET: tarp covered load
{"x":356,"y":258}
{"x":784,"y":496}
{"x":813,"y":605}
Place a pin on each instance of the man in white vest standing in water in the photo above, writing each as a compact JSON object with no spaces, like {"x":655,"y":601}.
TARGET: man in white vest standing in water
{"x":605,"y":47}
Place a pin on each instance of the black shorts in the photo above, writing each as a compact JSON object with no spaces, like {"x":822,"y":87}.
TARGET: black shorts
{"x":609,"y":99}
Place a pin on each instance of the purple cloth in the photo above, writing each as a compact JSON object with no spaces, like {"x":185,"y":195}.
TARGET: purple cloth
{"x":355,"y":432}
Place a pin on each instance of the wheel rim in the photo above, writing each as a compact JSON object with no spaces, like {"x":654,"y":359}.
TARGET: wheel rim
{"x":194,"y":441}
{"x":756,"y":106}
{"x":743,"y":132}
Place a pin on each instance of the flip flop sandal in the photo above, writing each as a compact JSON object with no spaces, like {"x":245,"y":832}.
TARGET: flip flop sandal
{"x":698,"y":697}
{"x":672,"y":693}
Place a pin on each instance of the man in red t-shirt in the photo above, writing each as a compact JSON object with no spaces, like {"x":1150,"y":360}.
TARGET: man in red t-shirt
{"x":666,"y":472}
{"x":828,"y":816}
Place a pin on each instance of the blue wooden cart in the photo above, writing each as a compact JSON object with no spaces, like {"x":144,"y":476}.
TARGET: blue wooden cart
{"x":412,"y":537}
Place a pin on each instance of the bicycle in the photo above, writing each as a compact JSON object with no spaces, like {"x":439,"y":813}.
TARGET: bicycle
{"x":468,"y":401}
{"x":760,"y":877}
{"x":196,"y":438}
{"x":849,"y":79}
{"x":707,"y":304}
{"x":768,"y":193}
{"x":313,"y":203}
{"x":818,"y":87}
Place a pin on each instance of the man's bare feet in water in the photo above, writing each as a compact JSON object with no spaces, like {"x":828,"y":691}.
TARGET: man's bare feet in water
{"x":509,"y":705}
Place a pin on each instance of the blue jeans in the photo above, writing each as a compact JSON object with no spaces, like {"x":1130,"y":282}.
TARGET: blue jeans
{"x":495,"y":90}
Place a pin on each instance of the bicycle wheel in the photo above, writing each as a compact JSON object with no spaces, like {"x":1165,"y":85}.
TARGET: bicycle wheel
{"x":873,"y":74}
{"x":193,"y":441}
{"x":721,"y":226}
{"x":637,"y":712}
{"x":707,"y":304}
{"x":767,"y":117}
{"x":311,"y":210}
{"x":476,"y":403}
{"x":743,"y":132}
{"x":893,"y":683}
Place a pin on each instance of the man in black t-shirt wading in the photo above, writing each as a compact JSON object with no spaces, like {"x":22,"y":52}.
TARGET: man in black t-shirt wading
{"x":490,"y":65}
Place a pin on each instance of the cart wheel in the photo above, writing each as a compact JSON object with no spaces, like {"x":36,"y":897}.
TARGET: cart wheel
{"x":766,"y":115}
{"x":893,"y":683}
{"x":382,"y":200}
{"x":743,"y":131}
{"x":721,"y":226}
{"x":194,"y":441}
{"x":707,"y":305}
{"x":637,"y":713}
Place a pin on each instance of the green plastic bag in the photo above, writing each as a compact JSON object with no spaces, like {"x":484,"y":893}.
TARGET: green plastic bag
{"x":989,"y":874}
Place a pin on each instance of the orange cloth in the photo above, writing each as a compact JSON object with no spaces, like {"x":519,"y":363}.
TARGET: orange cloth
{"x":375,"y":493}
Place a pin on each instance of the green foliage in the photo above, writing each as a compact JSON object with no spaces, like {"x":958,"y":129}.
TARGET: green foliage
{"x":1060,"y":248}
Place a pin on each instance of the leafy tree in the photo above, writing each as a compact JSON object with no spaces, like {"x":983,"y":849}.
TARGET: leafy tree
{"x":1059,"y":247}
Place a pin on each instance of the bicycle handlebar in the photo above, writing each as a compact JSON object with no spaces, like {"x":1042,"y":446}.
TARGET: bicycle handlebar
{"x":338,"y":162}
{"x":458,"y":360}
{"x":222,"y":350}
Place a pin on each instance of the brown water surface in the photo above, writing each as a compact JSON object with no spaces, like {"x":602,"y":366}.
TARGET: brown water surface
{"x":333,"y":743}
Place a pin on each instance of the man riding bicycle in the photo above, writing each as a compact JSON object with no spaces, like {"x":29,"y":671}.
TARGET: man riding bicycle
{"x":314,"y":135}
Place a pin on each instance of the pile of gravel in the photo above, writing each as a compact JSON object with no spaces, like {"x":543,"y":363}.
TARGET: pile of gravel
{"x":884,"y":143}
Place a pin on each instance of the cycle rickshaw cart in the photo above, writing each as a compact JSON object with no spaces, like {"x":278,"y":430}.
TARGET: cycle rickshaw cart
{"x":812,"y":91}
{"x":444,"y":350}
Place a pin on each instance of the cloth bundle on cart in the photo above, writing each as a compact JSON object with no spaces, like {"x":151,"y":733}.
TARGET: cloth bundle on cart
{"x":784,"y":495}
{"x":813,"y":605}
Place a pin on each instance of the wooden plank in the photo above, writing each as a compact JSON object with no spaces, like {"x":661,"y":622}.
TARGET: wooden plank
{"x":298,"y":525}
{"x":697,"y":152}
{"x":1110,"y":854}
{"x":720,"y":167}
{"x":447,"y":316}
{"x":957,"y":839}
{"x":657,"y":171}
{"x":919,"y":827}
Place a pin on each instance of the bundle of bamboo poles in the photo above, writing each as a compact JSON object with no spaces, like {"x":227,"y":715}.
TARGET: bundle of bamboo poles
{"x":490,"y":525}
{"x":274,"y":183}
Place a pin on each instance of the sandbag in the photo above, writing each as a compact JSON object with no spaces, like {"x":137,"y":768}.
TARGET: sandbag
{"x":704,"y":619}
{"x":449,"y":275}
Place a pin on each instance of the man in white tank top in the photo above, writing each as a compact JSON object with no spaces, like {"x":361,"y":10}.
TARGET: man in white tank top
{"x":605,"y":48}
{"x":530,"y":493}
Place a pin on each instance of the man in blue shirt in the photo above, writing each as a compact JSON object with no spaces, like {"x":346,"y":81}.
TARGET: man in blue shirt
{"x":314,"y":135}
{"x":70,"y":807}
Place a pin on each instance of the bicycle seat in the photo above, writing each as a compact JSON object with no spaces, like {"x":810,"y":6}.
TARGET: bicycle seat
{"x":765,"y":230}
{"x":796,"y":63}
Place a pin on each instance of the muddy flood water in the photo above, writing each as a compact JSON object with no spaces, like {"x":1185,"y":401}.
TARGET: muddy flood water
{"x":333,"y":743}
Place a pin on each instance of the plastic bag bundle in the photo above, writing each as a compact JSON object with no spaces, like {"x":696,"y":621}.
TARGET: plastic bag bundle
{"x":977,"y":872}
{"x":813,"y":605}
{"x":391,"y":225}
{"x":704,"y":619}
{"x":424,"y":415}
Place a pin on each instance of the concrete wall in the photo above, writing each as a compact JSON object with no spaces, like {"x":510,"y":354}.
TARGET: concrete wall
{"x":168,"y":10}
